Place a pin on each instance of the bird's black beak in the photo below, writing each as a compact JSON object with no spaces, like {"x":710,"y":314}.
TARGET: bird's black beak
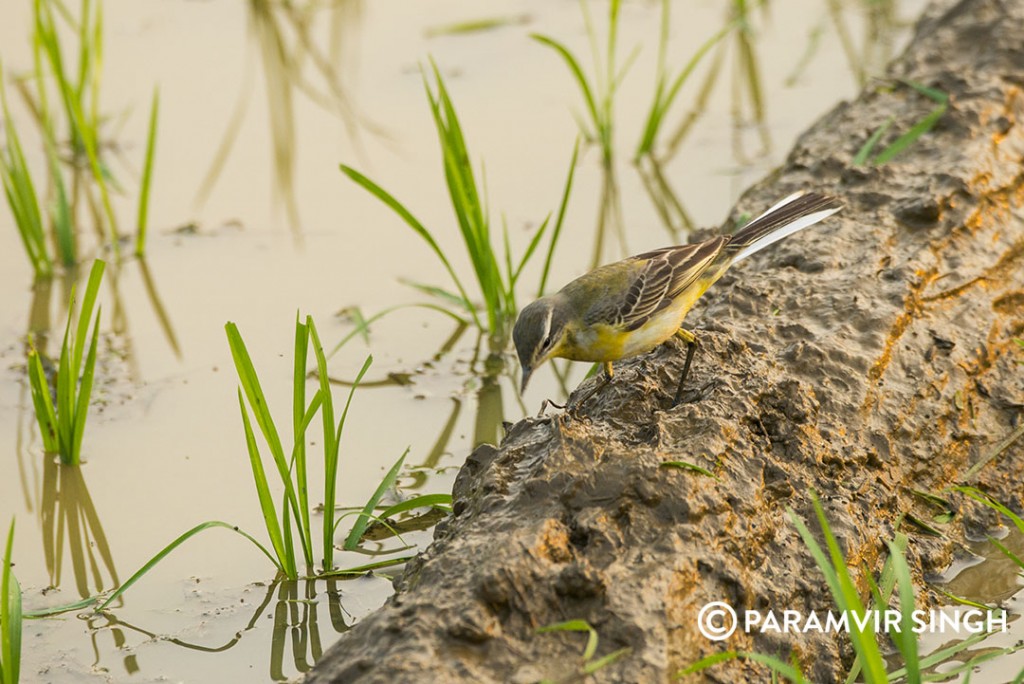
{"x":527,"y":372}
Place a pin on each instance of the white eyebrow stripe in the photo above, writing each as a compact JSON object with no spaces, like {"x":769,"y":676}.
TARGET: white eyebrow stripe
{"x":547,"y":324}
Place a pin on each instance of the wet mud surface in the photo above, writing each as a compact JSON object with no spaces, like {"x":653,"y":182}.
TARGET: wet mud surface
{"x":861,"y":359}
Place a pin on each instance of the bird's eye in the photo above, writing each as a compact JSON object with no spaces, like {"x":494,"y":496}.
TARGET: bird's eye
{"x":548,"y":341}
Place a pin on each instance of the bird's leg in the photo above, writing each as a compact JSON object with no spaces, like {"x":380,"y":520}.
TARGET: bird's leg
{"x":609,"y":372}
{"x":691,"y":346}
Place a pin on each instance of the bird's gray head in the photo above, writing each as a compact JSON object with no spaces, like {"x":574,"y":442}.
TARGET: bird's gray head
{"x":538,"y":333}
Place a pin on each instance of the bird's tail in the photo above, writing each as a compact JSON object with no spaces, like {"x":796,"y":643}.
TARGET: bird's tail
{"x":796,"y":212}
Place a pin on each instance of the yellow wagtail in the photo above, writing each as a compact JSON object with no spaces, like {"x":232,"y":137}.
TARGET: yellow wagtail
{"x":631,"y":306}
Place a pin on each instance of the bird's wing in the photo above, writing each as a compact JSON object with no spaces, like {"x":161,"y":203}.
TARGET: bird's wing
{"x":664,"y":275}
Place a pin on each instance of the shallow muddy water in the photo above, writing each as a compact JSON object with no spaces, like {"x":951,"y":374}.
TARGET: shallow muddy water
{"x":276,"y":228}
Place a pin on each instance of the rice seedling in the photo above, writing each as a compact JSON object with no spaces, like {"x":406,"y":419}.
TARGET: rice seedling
{"x":665,"y":94}
{"x":747,"y":89}
{"x":62,"y":423}
{"x":293,"y":519}
{"x":599,"y":92}
{"x":295,"y":515}
{"x":10,"y":618}
{"x":21,"y":194}
{"x":496,"y":278}
{"x":79,"y":96}
{"x":590,"y":663}
{"x":866,"y":155}
{"x":869,"y":665}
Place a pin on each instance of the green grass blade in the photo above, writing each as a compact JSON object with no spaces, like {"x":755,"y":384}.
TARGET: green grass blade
{"x":777,"y":666}
{"x":933,"y":94}
{"x":941,"y":655}
{"x":1017,"y":560}
{"x":65,"y":393}
{"x":907,"y":641}
{"x":331,"y":446}
{"x":663,"y":99}
{"x":577,"y":72}
{"x":530,"y":249}
{"x":708,"y":661}
{"x":285,"y":561}
{"x":421,"y":501}
{"x":63,"y":608}
{"x":434,"y":291}
{"x":372,"y":518}
{"x":557,"y":232}
{"x":300,"y":421}
{"x":10,"y":617}
{"x":848,"y":599}
{"x":413,"y":223}
{"x":983,"y":498}
{"x":46,"y":415}
{"x":364,"y":569}
{"x":868,"y":147}
{"x":459,"y":172}
{"x":604,"y":661}
{"x":254,"y":394}
{"x":907,"y":139}
{"x":843,"y":592}
{"x":91,"y":145}
{"x":364,"y":325}
{"x":85,"y":315}
{"x":469,"y":211}
{"x":21,"y":195}
{"x":147,"y":176}
{"x":575,"y":626}
{"x":684,"y":465}
{"x":84,"y":392}
{"x":85,"y":48}
{"x":352,"y":541}
{"x":60,"y":213}
{"x":175,"y":544}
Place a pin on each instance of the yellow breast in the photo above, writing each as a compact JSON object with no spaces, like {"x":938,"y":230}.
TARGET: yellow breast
{"x":601,"y":342}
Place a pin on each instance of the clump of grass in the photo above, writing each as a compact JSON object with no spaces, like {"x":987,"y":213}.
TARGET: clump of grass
{"x":78,"y":93}
{"x":866,"y":155}
{"x":598,"y":92}
{"x":65,"y":98}
{"x":291,"y":524}
{"x":590,"y":663}
{"x":10,"y":618}
{"x":62,"y":423}
{"x":869,"y":663}
{"x":496,"y":276}
{"x":20,"y":191}
{"x":295,"y":515}
{"x":292,"y":465}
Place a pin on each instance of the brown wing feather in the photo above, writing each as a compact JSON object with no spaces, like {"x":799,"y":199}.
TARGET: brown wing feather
{"x":668,"y":272}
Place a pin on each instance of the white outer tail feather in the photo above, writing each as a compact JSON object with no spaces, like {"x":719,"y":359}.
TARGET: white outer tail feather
{"x":783,"y":231}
